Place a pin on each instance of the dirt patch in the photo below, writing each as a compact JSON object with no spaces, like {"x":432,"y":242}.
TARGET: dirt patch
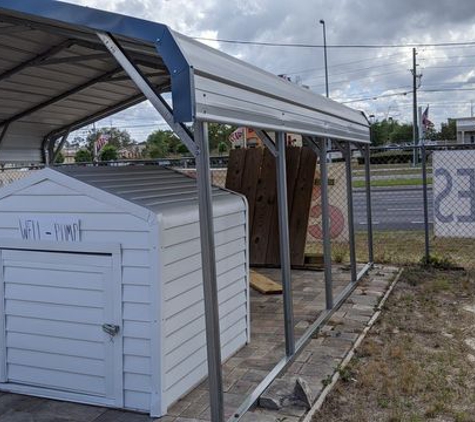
{"x":418,"y":361}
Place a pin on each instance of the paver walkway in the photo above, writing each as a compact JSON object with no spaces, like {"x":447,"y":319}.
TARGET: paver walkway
{"x":244,"y":371}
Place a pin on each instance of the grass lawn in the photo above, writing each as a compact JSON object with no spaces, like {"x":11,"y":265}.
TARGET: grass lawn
{"x":403,"y":248}
{"x":379,"y":183}
{"x":416,"y":363}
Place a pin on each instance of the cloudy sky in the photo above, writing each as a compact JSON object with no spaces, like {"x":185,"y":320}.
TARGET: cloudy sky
{"x":369,"y":48}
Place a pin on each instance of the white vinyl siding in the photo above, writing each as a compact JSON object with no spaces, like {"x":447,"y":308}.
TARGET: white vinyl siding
{"x":99,"y":223}
{"x":152,"y":214}
{"x":185,"y":360}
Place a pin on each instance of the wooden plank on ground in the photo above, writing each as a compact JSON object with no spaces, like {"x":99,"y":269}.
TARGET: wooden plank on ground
{"x":302,"y":197}
{"x":264,"y":205}
{"x":264,"y":285}
{"x":237,"y":158}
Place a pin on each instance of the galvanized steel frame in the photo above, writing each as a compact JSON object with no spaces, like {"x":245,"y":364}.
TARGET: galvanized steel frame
{"x":191,"y":84}
{"x":197,"y":143}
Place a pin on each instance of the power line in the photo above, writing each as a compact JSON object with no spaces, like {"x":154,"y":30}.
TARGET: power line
{"x":361,"y":69}
{"x":303,"y":45}
{"x":376,"y":97}
{"x":340,"y":64}
{"x":376,"y":75}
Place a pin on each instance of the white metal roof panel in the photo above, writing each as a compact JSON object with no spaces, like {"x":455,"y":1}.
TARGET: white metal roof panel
{"x":153,"y":187}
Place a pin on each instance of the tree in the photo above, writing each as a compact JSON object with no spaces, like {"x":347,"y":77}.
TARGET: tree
{"x":162,"y":143}
{"x":401,"y":133}
{"x":448,"y":131}
{"x":390,"y":131}
{"x":83,"y":156}
{"x":59,"y":159}
{"x":381,"y":131}
{"x":222,"y":148}
{"x":116,"y":137}
{"x":108,"y":153}
{"x":219,"y":133}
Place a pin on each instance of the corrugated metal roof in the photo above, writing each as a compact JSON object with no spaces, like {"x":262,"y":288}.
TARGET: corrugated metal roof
{"x":56,"y":76}
{"x":153,"y":187}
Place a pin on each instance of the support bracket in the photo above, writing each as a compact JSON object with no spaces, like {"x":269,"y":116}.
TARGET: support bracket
{"x":149,"y":91}
{"x":268,"y":142}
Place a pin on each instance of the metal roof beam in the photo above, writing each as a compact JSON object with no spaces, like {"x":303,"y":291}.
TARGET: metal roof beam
{"x":149,"y":91}
{"x":37,"y":59}
{"x":139,"y":58}
{"x":58,"y":149}
{"x":127,"y":77}
{"x":123,"y":105}
{"x":74,"y":59}
{"x":103,"y":78}
{"x":4,"y":132}
{"x":13,"y":29}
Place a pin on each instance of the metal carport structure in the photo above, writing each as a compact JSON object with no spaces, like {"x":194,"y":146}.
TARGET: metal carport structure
{"x":64,"y":66}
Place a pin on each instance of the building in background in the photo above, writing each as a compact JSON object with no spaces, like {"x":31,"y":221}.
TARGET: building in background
{"x":465,"y":130}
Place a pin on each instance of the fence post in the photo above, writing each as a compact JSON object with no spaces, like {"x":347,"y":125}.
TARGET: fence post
{"x":369,"y":215}
{"x":327,"y":253}
{"x":426,"y":204}
{"x":350,"y":204}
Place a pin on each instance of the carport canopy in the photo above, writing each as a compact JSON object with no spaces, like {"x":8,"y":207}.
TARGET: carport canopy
{"x":57,"y":75}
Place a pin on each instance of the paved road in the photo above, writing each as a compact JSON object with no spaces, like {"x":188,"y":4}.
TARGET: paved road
{"x":393,"y":209}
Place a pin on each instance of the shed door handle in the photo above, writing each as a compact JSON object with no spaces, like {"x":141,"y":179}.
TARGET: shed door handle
{"x":111,"y":329}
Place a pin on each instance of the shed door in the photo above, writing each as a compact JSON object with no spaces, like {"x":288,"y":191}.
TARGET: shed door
{"x":56,"y":305}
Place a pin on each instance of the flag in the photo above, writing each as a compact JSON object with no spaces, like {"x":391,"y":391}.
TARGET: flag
{"x":101,"y":142}
{"x":426,"y":123}
{"x":237,"y":135}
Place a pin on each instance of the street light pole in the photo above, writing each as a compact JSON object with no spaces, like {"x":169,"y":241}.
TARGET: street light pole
{"x":325,"y":58}
{"x":325,"y":55}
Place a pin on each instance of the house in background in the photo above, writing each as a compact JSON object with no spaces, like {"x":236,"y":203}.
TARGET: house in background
{"x":465,"y":130}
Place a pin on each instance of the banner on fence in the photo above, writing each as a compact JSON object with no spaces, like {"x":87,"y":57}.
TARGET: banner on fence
{"x":337,"y":204}
{"x":454,"y":193}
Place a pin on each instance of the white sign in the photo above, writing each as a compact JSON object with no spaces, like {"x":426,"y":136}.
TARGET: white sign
{"x":454,"y":193}
{"x":54,"y":228}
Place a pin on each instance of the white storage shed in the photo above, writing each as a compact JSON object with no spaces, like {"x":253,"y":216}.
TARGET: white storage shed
{"x":101,"y":285}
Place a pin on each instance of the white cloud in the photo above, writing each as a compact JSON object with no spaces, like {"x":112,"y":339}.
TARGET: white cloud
{"x":354,"y":73}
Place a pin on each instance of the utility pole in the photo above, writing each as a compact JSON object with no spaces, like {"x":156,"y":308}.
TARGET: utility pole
{"x":414,"y":97}
{"x":415,"y":82}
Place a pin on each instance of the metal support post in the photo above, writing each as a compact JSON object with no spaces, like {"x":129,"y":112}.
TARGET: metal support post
{"x":351,"y":218}
{"x":208,"y":260}
{"x":285,"y":244}
{"x":327,"y":253}
{"x":58,"y":149}
{"x":369,"y":215}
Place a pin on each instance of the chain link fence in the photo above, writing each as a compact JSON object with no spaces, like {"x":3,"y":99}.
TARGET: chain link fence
{"x":423,"y":204}
{"x":415,"y":217}
{"x":9,"y":174}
